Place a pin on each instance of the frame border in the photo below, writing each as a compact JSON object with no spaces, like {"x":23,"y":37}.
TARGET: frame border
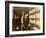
{"x":7,"y":18}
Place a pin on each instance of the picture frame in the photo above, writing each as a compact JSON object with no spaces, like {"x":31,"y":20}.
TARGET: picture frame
{"x":15,"y":5}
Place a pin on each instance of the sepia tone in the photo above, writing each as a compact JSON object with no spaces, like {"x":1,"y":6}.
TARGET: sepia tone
{"x":26,"y":18}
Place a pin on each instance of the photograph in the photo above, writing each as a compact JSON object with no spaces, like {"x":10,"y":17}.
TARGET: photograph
{"x":24,"y":18}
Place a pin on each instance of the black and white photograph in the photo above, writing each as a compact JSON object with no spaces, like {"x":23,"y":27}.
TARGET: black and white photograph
{"x":26,"y":18}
